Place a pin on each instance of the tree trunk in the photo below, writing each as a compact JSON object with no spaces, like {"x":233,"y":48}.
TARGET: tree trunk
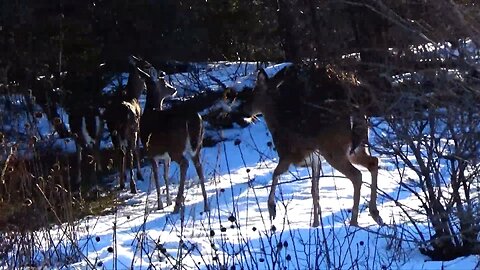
{"x":286,"y":26}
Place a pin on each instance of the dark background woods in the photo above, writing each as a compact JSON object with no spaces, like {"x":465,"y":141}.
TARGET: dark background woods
{"x":78,"y":35}
{"x":46,"y":36}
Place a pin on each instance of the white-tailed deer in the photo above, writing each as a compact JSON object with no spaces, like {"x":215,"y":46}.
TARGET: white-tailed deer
{"x":123,"y":121}
{"x":307,"y":110}
{"x":87,"y":129}
{"x":86,"y":125}
{"x":173,"y":134}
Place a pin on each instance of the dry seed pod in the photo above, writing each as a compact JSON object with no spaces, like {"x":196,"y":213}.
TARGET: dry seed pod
{"x":110,"y":164}
{"x":90,"y":159}
{"x":57,"y":121}
{"x":27,"y":202}
{"x":33,"y":141}
{"x":59,"y":187}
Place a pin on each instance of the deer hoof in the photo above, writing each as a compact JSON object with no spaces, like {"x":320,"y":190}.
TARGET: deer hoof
{"x":272,"y":211}
{"x":315,"y":223}
{"x":378,"y":219}
{"x":139,"y":177}
{"x":354,"y":223}
{"x":376,"y":216}
{"x":206,"y":208}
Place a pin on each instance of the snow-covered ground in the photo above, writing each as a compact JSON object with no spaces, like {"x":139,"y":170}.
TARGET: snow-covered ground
{"x":237,"y":233}
{"x":238,"y":179}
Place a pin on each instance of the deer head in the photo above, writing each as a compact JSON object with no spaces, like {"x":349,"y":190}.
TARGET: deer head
{"x":157,"y":88}
{"x":254,"y":101}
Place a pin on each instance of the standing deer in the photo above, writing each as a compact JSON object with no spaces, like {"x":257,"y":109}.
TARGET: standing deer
{"x":173,"y":134}
{"x":307,"y":110}
{"x":86,"y":125}
{"x":122,"y":115}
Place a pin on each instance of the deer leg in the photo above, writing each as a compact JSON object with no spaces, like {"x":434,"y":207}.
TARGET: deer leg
{"x":361,"y":157}
{"x":139,"y":168}
{"x":130,"y":149}
{"x":281,"y":168}
{"x":98,"y":166}
{"x":316,"y":168}
{"x":98,"y":161}
{"x":79,"y":164}
{"x":166,"y":169}
{"x":339,"y":160}
{"x":157,"y":183}
{"x":133,"y":185}
{"x":199,"y":169}
{"x":96,"y":146}
{"x":179,"y":201}
{"x":123,"y":160}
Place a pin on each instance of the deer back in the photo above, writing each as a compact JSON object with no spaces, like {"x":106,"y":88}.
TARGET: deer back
{"x":170,"y":131}
{"x":304,"y":108}
{"x":135,"y":83}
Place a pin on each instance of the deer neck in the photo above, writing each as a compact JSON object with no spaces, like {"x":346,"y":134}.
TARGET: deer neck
{"x":272,"y":121}
{"x":154,"y":100}
{"x":268,"y":111}
{"x":160,"y":107}
{"x":134,"y":85}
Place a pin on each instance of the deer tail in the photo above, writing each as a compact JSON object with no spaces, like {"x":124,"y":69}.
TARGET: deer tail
{"x":195,"y":132}
{"x":359,"y":133}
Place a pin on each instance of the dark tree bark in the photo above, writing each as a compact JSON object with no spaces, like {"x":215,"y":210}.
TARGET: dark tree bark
{"x":286,"y":25}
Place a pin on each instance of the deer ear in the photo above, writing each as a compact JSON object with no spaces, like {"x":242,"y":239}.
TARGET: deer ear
{"x":161,"y":74}
{"x":131,"y":60}
{"x":225,"y":92}
{"x":262,"y":79}
{"x":229,"y":94}
{"x":143,"y":73}
{"x":153,"y":74}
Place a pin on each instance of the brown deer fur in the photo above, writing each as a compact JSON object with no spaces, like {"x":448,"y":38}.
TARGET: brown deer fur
{"x":307,"y":110}
{"x":170,"y":134}
{"x":86,"y":126}
{"x":123,"y":121}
